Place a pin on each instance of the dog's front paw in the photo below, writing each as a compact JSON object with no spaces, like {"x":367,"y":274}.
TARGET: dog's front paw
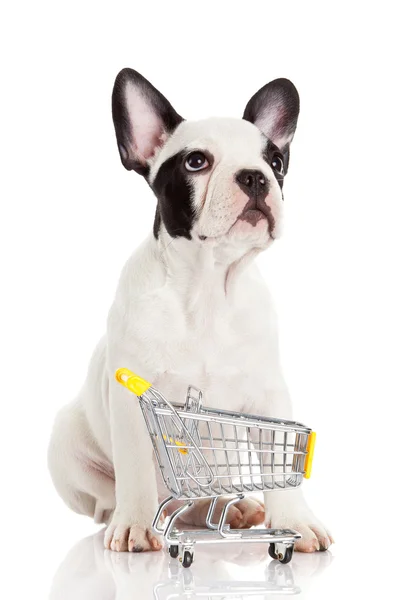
{"x":314,"y":535}
{"x":246,"y":513}
{"x":242,"y":515}
{"x":123,"y":537}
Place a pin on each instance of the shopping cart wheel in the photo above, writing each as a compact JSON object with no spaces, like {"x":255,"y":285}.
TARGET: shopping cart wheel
{"x":173,"y":551}
{"x":284,"y":559}
{"x":187,"y":559}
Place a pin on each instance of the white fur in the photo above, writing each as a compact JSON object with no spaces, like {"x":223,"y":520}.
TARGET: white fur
{"x":185,"y":311}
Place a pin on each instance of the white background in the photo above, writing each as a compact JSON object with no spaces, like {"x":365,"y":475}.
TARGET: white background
{"x":71,"y":215}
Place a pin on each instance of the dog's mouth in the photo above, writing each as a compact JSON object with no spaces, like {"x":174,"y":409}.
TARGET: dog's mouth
{"x":253,"y":215}
{"x":256,"y":211}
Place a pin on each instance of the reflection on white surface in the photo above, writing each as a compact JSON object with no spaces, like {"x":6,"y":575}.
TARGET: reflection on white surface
{"x":185,"y":583}
{"x":225,"y":571}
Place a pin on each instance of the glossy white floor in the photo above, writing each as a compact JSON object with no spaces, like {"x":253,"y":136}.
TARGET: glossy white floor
{"x":60,"y":556}
{"x":231,"y":570}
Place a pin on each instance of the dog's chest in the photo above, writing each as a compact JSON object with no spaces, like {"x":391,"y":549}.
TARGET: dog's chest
{"x":216,"y":345}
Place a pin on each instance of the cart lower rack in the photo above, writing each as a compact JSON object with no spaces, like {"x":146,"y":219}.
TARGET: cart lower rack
{"x":210,"y":453}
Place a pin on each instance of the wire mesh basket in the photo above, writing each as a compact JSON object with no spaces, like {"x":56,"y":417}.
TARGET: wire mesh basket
{"x":205,"y":452}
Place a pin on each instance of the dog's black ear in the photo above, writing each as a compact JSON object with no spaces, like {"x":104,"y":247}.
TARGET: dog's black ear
{"x":274,"y":109}
{"x":143,"y":119}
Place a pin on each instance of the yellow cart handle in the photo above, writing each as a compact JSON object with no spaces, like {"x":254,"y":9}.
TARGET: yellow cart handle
{"x":310,"y":454}
{"x":133,"y":382}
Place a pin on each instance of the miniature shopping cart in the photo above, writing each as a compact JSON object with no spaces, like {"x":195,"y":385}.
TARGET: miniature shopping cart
{"x":210,"y":453}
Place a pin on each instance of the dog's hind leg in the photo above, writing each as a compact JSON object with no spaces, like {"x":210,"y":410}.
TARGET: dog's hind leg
{"x":82,"y":475}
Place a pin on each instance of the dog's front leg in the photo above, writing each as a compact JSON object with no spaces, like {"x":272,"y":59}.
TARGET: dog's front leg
{"x":135,"y":477}
{"x":288,"y":509}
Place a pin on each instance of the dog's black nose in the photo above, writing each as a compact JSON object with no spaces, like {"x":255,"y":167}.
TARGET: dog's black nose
{"x":253,"y":183}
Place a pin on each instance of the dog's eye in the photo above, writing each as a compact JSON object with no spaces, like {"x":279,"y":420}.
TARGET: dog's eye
{"x":277,"y":164}
{"x":196,"y":162}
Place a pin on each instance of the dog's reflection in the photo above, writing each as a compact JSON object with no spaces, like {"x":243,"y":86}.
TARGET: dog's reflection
{"x":221,"y":571}
{"x":89,"y":571}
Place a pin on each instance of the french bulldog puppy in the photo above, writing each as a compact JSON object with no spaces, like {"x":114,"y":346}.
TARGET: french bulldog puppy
{"x":190,"y":307}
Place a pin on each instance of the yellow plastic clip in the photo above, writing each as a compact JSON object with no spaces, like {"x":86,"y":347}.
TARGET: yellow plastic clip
{"x":133,"y":382}
{"x":310,"y":454}
{"x":177,"y":443}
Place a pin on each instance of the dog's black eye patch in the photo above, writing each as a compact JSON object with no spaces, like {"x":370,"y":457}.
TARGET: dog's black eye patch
{"x":174,"y":190}
{"x":276,"y":160}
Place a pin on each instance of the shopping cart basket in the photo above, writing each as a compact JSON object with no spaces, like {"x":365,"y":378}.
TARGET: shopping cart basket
{"x":209,"y":453}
